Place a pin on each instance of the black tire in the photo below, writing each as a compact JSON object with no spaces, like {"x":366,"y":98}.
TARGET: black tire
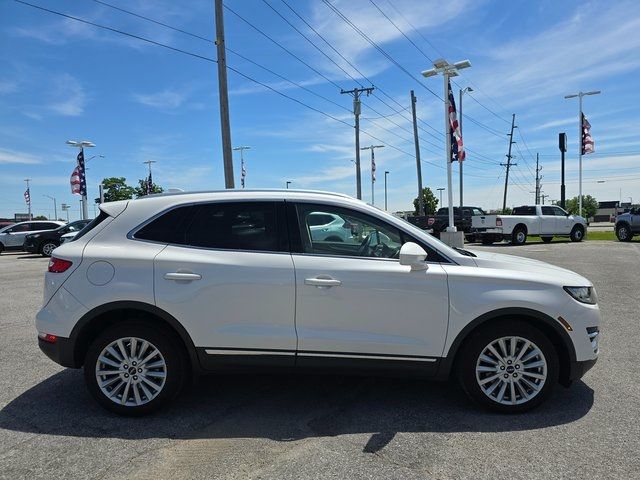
{"x":476,"y":344}
{"x":486,"y":240}
{"x":577,"y":233}
{"x":623,"y":232}
{"x":519,"y":236}
{"x":546,"y":239}
{"x":1,"y":248}
{"x":46,"y":247}
{"x":174,"y":359}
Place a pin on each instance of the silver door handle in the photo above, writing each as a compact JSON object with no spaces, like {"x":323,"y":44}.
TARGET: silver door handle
{"x":182,"y":276}
{"x":322,"y":282}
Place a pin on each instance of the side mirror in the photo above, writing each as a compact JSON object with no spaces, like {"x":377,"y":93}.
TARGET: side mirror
{"x":413,"y":255}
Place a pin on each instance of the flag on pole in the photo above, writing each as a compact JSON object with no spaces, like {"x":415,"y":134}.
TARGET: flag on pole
{"x":243,"y":173}
{"x":149,"y":184}
{"x":78,"y":180}
{"x":588,"y":145}
{"x":27,"y":196}
{"x":373,"y":165}
{"x":457,"y":147}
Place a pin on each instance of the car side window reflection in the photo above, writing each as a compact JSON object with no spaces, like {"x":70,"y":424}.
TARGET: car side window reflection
{"x":344,"y":232}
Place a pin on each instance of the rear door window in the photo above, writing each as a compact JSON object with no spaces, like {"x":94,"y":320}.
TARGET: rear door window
{"x":548,"y":211}
{"x":529,"y":211}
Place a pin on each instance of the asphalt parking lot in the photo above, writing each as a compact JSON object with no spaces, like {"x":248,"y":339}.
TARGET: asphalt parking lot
{"x":307,"y":427}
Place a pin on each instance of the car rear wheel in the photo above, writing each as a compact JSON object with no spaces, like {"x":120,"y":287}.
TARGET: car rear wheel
{"x":577,"y":234}
{"x":509,"y":367}
{"x":623,"y":232}
{"x":47,"y":248}
{"x":519,"y":236}
{"x":546,"y":239}
{"x":132,"y":369}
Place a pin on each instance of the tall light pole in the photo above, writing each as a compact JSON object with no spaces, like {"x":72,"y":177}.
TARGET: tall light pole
{"x":373,"y":169}
{"x":223,"y":95}
{"x":440,"y":190}
{"x":447,"y":70}
{"x":386,"y":172}
{"x":243,"y":171}
{"x":55,"y":208}
{"x":580,"y":95}
{"x":27,"y":197}
{"x":81,"y":145}
{"x":462,"y":92}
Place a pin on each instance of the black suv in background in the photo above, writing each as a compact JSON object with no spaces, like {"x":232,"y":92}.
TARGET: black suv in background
{"x":439,"y":222}
{"x":45,"y":242}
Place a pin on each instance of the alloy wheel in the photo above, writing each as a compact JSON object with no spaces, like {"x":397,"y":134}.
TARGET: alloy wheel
{"x":131,"y":371}
{"x":48,"y":248}
{"x":511,"y":370}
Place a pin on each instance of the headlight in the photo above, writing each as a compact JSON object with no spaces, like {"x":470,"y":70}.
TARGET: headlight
{"x":583,"y":294}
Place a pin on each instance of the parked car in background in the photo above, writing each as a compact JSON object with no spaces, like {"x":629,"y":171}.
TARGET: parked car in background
{"x":68,"y":237}
{"x":45,"y":242}
{"x":159,"y":288}
{"x":6,"y":224}
{"x":12,"y":237}
{"x":545,"y":221}
{"x":461,"y":219}
{"x":330,"y":228}
{"x":628,"y":225}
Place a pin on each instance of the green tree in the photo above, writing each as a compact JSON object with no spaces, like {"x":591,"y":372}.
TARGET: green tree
{"x":141,"y":189}
{"x":430,"y":202}
{"x":116,"y":188}
{"x":40,"y":217}
{"x":589,"y":206}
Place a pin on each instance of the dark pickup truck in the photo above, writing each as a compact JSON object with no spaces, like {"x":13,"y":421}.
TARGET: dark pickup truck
{"x":439,"y":222}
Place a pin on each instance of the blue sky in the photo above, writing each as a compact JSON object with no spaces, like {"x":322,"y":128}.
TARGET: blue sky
{"x":61,"y":80}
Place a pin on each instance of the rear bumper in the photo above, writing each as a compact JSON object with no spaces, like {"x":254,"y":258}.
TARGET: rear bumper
{"x":60,"y":352}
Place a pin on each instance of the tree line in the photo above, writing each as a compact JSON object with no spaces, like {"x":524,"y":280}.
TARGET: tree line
{"x":116,"y":188}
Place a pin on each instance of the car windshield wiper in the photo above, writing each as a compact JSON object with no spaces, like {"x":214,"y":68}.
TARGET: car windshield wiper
{"x":465,"y":252}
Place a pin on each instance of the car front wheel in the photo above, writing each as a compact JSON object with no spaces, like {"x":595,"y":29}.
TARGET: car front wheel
{"x":132,"y":369}
{"x":510,"y":367}
{"x":577,"y":234}
{"x":623,"y":232}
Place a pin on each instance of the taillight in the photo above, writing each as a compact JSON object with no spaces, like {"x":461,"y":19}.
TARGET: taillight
{"x":58,"y":265}
{"x":48,"y":337}
{"x":498,"y":222}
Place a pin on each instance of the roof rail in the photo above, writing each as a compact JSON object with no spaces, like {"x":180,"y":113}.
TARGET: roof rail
{"x":173,"y":192}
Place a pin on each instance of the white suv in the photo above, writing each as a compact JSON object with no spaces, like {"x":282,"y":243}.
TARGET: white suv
{"x":157,"y":289}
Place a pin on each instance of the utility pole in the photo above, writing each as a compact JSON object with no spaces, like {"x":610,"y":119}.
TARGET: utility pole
{"x":462,"y":91}
{"x":65,"y":208}
{"x":223,"y":94}
{"x":288,"y":183}
{"x":373,"y":169}
{"x":538,"y":178}
{"x":27,"y":197}
{"x":356,"y":112}
{"x":243,"y":171}
{"x":508,"y":164}
{"x":580,"y":146}
{"x":417,"y":145}
{"x":385,"y":189}
{"x":440,"y":190}
{"x":543,"y":196}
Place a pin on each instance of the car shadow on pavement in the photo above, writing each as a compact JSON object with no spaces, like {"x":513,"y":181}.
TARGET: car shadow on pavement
{"x":284,"y":408}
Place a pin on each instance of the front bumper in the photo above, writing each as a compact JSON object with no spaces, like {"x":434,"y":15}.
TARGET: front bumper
{"x":578,"y":369}
{"x":60,"y":352}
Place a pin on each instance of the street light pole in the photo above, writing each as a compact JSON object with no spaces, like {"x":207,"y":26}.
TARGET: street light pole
{"x":243,"y":171}
{"x":580,"y":132}
{"x":462,"y":91}
{"x":447,"y":70}
{"x":81,"y":145}
{"x":65,"y":208}
{"x":55,"y":208}
{"x":386,"y":172}
{"x":288,"y":183}
{"x":440,"y":190}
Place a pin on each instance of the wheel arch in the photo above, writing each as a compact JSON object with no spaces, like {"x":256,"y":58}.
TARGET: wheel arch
{"x":98,"y":319}
{"x":622,"y":223}
{"x":546,"y":324}
{"x":522,"y":226}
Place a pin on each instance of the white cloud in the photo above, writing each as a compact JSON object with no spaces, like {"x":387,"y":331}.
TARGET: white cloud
{"x":66,"y":97}
{"x":7,"y":86}
{"x":165,"y":99}
{"x":11,"y":156}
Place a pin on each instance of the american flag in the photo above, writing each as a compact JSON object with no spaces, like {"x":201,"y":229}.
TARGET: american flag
{"x":27,"y":196}
{"x":588,"y":145}
{"x":78,"y":179}
{"x":373,"y":165}
{"x":243,"y":174}
{"x":457,"y":147}
{"x":149,"y":184}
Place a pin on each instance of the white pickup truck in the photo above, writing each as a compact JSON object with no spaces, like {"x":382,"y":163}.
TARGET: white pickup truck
{"x":545,"y":221}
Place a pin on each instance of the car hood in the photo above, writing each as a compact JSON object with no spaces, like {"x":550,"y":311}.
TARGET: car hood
{"x":527,"y":266}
